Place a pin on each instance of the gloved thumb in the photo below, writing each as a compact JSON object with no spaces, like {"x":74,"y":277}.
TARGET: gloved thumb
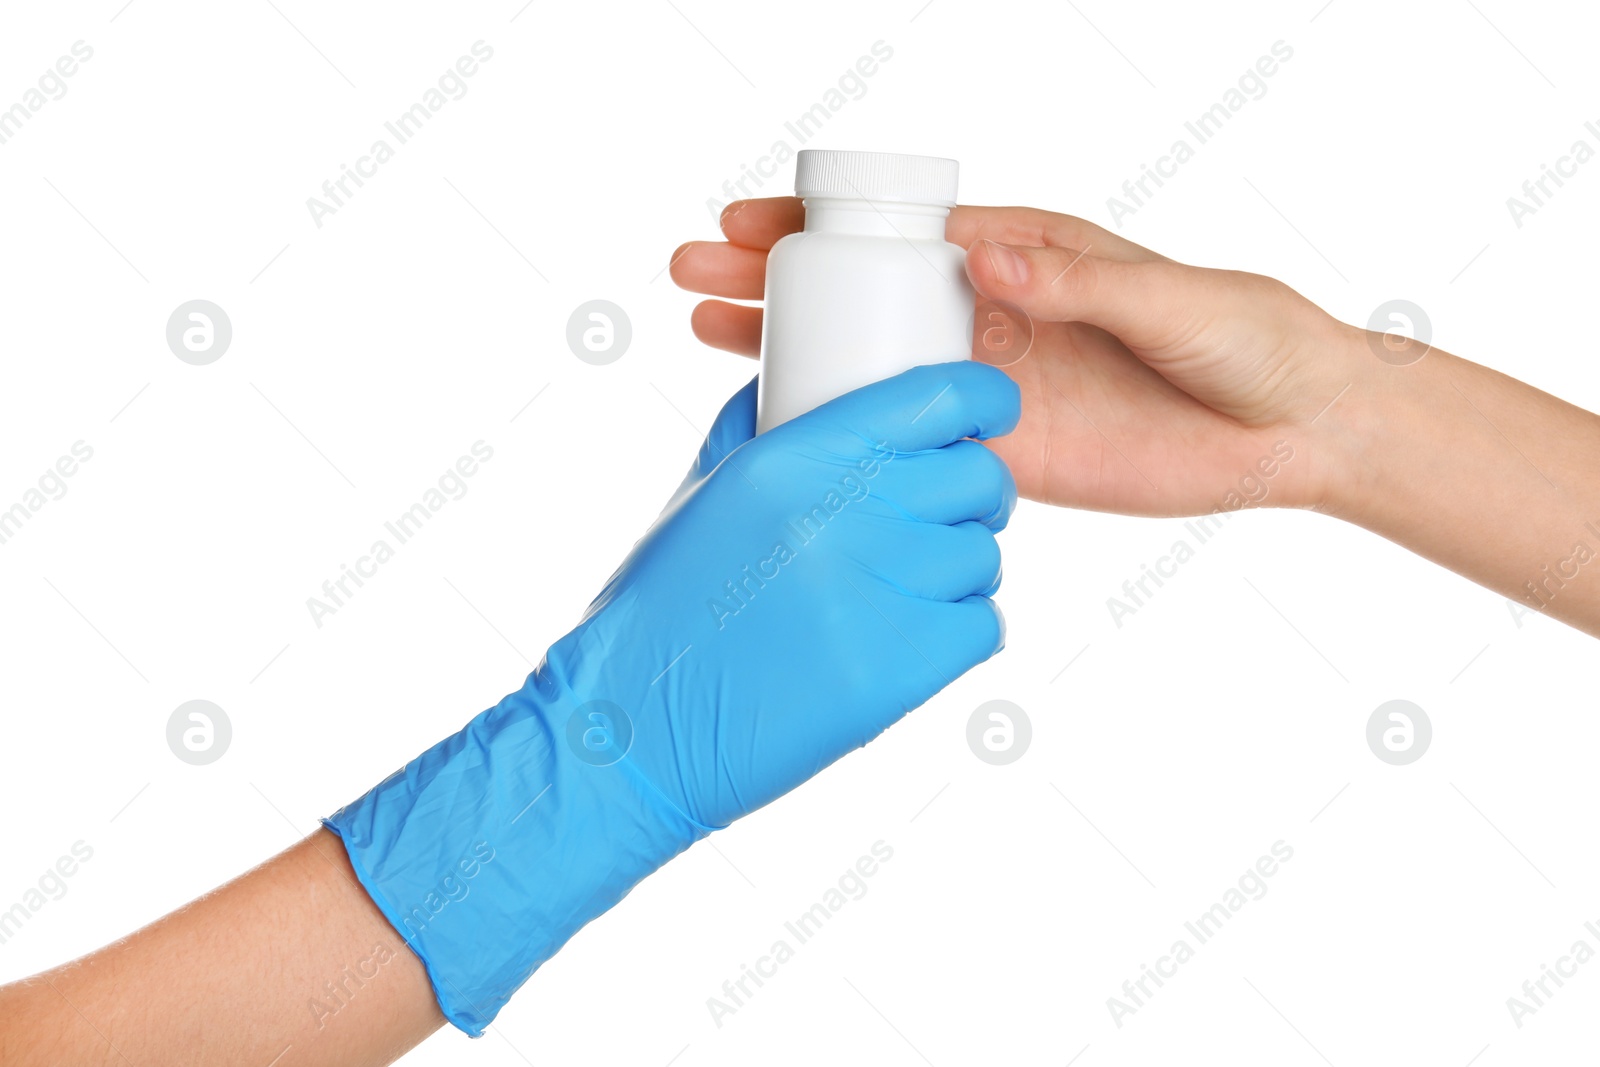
{"x":735,"y":424}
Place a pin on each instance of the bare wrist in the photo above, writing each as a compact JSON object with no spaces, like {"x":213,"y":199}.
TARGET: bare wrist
{"x":1368,"y":434}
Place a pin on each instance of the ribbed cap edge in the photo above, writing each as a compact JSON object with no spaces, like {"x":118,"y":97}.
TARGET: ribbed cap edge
{"x":876,"y":176}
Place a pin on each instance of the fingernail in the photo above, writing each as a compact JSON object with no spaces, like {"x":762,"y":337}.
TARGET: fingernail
{"x":1009,"y":268}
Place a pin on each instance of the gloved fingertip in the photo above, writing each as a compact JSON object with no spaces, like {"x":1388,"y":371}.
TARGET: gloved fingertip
{"x":997,"y":399}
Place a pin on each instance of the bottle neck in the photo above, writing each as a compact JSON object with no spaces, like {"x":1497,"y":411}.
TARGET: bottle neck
{"x":879,"y":219}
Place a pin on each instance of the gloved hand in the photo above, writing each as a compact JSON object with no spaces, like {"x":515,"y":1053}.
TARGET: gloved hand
{"x":801,"y":592}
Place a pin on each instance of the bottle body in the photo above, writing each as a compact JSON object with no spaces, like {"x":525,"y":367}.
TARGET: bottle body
{"x":865,"y":291}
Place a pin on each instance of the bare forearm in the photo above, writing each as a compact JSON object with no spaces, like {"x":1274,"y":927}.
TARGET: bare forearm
{"x":290,"y":964}
{"x":1477,"y":471}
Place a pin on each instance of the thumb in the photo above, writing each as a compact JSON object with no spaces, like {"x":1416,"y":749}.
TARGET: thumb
{"x":1147,"y":305}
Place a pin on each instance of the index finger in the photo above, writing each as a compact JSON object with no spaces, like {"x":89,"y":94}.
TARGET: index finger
{"x":922,"y":408}
{"x":763,"y":223}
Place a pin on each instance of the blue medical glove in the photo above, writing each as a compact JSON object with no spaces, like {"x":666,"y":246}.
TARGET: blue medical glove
{"x":801,"y":592}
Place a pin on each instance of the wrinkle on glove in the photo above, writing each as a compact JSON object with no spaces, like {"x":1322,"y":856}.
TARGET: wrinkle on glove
{"x":801,"y":592}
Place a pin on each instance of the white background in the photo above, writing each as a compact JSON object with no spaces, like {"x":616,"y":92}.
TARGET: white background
{"x":426,"y":313}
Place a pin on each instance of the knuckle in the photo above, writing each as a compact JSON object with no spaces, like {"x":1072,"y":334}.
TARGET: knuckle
{"x":987,"y":554}
{"x":1074,"y":275}
{"x":998,"y":481}
{"x":1257,"y":287}
{"x":988,"y":626}
{"x":762,"y":459}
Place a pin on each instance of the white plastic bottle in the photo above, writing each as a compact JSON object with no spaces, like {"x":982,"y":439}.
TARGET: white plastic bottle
{"x":869,"y":288}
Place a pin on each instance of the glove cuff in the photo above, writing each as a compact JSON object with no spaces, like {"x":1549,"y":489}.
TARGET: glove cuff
{"x":491,"y":849}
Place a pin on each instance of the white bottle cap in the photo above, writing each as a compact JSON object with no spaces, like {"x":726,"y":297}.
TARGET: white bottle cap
{"x":876,"y":176}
